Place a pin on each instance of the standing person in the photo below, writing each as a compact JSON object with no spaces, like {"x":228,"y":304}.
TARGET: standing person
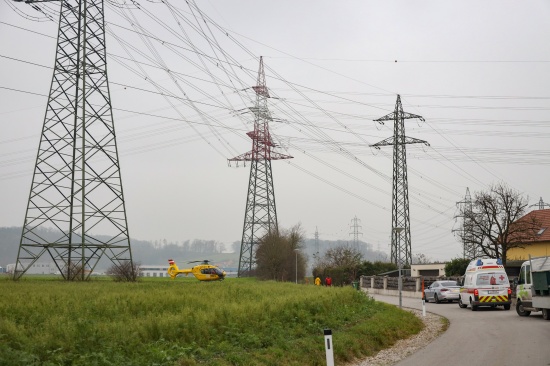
{"x":328,"y":281}
{"x":317,"y":281}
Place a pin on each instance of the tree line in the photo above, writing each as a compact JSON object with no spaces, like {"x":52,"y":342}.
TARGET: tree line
{"x":281,"y":256}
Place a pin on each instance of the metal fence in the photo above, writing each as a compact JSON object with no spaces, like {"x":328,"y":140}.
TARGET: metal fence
{"x":409,"y":283}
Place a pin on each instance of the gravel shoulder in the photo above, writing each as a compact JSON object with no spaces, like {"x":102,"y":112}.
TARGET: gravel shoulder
{"x":434,"y":326}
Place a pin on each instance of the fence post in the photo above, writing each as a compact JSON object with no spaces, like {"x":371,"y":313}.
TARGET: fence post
{"x":385,"y":282}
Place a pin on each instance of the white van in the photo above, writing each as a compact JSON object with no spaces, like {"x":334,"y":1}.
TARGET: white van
{"x":533,"y":290}
{"x":485,"y":283}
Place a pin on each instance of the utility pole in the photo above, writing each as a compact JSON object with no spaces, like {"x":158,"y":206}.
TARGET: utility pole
{"x":260,"y":216}
{"x":76,"y":196}
{"x":400,"y":187}
{"x":355,"y":226}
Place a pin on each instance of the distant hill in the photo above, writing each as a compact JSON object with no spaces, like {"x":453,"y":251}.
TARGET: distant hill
{"x":149,"y":253}
{"x":9,"y":244}
{"x":143,"y":251}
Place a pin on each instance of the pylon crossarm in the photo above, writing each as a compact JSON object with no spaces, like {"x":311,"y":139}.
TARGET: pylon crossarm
{"x":37,"y":1}
{"x":261,"y":90}
{"x":387,"y":117}
{"x":279,"y":156}
{"x":243,"y":157}
{"x":386,"y":142}
{"x":412,"y":140}
{"x":406,"y":115}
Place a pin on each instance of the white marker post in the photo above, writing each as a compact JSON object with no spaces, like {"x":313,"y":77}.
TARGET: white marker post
{"x":328,"y":347}
{"x":423,"y":300}
{"x":423,"y":308}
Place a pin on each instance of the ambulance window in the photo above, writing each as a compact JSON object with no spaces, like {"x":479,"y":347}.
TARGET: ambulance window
{"x":495,"y":278}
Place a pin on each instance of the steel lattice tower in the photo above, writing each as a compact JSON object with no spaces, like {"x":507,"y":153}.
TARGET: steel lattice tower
{"x":76,"y":193}
{"x":401,"y":233}
{"x":316,"y":249}
{"x":260,"y":215}
{"x":541,"y":205}
{"x":469,"y":247}
{"x":355,"y":232}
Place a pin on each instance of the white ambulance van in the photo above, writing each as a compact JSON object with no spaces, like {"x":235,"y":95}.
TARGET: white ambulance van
{"x":485,"y":283}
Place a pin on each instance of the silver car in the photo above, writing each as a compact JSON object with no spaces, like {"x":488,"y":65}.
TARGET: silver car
{"x":442,"y":291}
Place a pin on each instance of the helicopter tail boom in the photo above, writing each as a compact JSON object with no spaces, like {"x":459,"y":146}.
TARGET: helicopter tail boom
{"x":174,"y":271}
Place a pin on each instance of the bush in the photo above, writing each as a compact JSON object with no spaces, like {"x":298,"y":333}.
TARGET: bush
{"x":456,"y":267}
{"x":125,"y":271}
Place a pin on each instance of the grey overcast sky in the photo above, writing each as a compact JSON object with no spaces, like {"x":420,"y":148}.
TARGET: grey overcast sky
{"x":477,"y":71}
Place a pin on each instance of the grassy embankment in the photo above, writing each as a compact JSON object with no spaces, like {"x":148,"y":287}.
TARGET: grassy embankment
{"x":186,"y":322}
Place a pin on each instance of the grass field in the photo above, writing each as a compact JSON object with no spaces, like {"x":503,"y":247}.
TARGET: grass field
{"x":186,"y":322}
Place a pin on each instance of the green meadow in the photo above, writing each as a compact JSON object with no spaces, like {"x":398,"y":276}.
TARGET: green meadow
{"x":186,"y":322}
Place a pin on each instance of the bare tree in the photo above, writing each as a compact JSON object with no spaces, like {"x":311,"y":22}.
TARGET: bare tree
{"x":420,"y":258}
{"x":74,"y":272}
{"x":124,"y":272}
{"x":343,"y":256}
{"x":342,"y":263}
{"x":497,"y":223}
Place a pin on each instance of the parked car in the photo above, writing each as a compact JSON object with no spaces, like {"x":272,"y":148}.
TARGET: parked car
{"x":442,"y":290}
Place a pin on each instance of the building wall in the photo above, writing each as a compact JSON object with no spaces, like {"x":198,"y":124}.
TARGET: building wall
{"x":37,"y":268}
{"x":154,"y":271}
{"x":416,"y":269}
{"x":536,"y":250}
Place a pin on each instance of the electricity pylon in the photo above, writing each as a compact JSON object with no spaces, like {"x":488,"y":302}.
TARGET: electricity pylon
{"x":401,"y":232}
{"x":469,"y":247}
{"x":76,"y":196}
{"x":541,"y":205}
{"x":260,"y":216}
{"x":355,"y":226}
{"x":316,"y":249}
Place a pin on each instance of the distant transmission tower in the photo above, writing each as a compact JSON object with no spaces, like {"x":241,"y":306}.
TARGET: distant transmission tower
{"x":316,"y":249}
{"x":76,"y":193}
{"x":260,"y":215}
{"x":469,"y":247}
{"x":541,"y":204}
{"x":355,"y":227}
{"x":401,"y":232}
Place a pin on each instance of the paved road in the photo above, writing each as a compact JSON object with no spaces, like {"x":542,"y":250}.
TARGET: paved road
{"x":485,"y":337}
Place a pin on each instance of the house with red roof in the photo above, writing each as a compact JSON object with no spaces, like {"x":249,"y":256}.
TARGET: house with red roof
{"x":539,"y":243}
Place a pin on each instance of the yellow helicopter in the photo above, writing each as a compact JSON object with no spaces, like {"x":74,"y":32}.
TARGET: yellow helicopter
{"x":202,"y":272}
